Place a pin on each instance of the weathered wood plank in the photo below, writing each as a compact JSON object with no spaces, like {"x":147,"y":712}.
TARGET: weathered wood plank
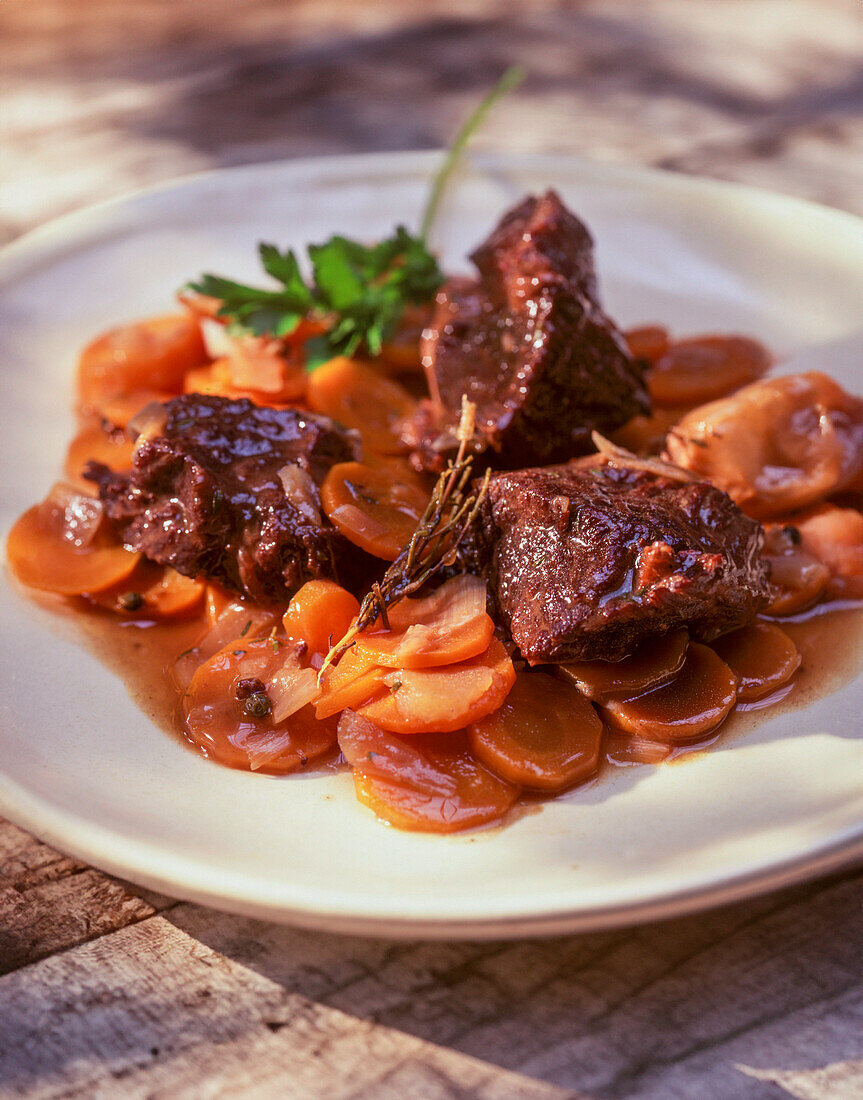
{"x":658,"y":1011}
{"x":149,"y":1011}
{"x":49,"y":902}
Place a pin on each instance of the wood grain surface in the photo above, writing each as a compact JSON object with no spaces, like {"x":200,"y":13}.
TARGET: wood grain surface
{"x":110,"y":991}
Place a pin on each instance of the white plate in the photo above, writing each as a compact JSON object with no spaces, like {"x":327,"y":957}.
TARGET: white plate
{"x":82,"y":767}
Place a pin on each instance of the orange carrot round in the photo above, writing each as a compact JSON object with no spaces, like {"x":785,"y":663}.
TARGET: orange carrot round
{"x":429,"y":783}
{"x":319,"y":614}
{"x":371,"y":508}
{"x":230,"y":719}
{"x":151,"y":355}
{"x":440,"y":700}
{"x":42,"y":552}
{"x":705,"y":368}
{"x":446,"y":627}
{"x":761,"y":656}
{"x":697,"y":701}
{"x":153,"y":591}
{"x":95,"y":444}
{"x":360,"y":397}
{"x":655,"y":662}
{"x":647,"y":342}
{"x":545,"y":735}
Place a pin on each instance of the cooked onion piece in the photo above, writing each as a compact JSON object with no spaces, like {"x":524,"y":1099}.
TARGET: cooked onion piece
{"x":655,"y":662}
{"x":689,"y":707}
{"x":797,"y":579}
{"x":229,"y":713}
{"x":440,"y":700}
{"x":372,"y":508}
{"x":60,"y":546}
{"x":704,"y":368}
{"x":777,"y":445}
{"x":622,"y":749}
{"x":429,"y":782}
{"x":544,"y":736}
{"x":359,"y":397}
{"x":835,"y":537}
{"x":446,"y":627}
{"x":761,"y":656}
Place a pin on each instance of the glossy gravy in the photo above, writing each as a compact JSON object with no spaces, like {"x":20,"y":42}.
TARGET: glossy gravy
{"x":829,"y":637}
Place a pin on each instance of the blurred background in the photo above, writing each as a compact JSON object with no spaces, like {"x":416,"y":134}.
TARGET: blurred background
{"x":103,"y":96}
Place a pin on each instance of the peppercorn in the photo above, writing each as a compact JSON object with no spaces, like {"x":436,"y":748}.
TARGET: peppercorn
{"x":130,"y":601}
{"x":258,"y":705}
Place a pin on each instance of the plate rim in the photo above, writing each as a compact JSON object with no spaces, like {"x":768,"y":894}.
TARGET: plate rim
{"x":127,"y":857}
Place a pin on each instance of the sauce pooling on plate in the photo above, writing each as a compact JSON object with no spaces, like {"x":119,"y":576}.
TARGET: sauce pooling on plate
{"x":297,"y":568}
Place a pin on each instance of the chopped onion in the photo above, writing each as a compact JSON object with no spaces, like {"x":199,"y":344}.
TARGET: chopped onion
{"x":290,"y":689}
{"x":148,"y":421}
{"x":216,"y":339}
{"x":621,"y":748}
{"x":301,"y":491}
{"x":264,"y":748}
{"x":82,"y":514}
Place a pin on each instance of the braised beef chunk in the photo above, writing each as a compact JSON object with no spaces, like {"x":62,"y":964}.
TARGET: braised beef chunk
{"x":529,"y":343}
{"x":587,"y":560}
{"x":207,"y":495}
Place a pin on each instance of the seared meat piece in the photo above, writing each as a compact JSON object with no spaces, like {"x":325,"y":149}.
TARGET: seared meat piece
{"x":207,"y":495}
{"x":585,"y":561}
{"x":529,"y":344}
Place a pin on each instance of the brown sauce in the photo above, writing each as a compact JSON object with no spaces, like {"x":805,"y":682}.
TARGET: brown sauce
{"x":829,"y":637}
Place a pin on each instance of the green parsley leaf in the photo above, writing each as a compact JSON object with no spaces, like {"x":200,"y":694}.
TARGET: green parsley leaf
{"x":359,"y":292}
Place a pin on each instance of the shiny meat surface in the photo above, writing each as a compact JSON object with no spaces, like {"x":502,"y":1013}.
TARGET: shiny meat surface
{"x":529,"y":343}
{"x":588,"y":560}
{"x":228,"y":490}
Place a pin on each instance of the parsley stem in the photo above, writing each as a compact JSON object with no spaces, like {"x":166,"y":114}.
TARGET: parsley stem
{"x":510,"y":79}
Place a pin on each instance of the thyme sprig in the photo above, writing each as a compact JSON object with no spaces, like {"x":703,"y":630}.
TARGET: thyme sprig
{"x":451,"y":511}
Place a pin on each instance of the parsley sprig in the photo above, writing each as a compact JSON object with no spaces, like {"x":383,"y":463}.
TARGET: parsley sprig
{"x":358,"y":292}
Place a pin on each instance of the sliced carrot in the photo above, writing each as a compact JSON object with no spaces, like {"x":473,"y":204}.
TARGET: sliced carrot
{"x":153,"y":355}
{"x":96,"y":444}
{"x":694,"y":703}
{"x":359,"y":397}
{"x":213,"y":380}
{"x":350,"y":684}
{"x":655,"y":662}
{"x":371,"y":508}
{"x":153,"y":592}
{"x":545,"y":735}
{"x":623,"y":749}
{"x":119,"y":410}
{"x":647,"y":342}
{"x":440,"y":700}
{"x":429,"y":783}
{"x":446,"y":627}
{"x":42,"y":552}
{"x":761,"y":656}
{"x":705,"y":368}
{"x":237,"y":619}
{"x":224,"y":720}
{"x":319,"y":614}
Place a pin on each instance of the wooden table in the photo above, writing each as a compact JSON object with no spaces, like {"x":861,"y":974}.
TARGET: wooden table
{"x":111,"y":991}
